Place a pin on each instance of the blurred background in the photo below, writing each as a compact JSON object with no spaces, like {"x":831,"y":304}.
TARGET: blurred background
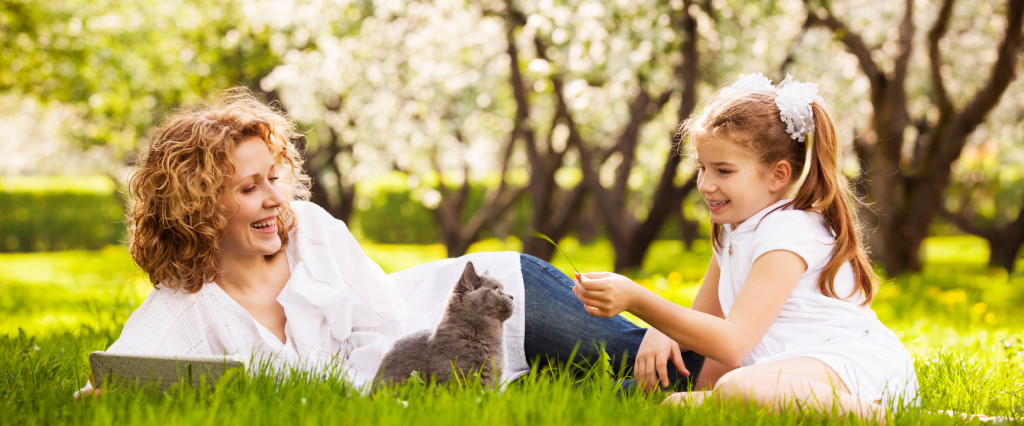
{"x":455,"y":121}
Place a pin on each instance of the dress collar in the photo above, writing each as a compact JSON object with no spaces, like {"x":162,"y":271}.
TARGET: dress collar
{"x":752,"y":221}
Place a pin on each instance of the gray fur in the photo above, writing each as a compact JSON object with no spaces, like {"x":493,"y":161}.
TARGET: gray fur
{"x":469,"y":336}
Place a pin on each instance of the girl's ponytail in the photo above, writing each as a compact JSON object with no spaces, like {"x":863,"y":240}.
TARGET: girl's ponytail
{"x":826,"y":191}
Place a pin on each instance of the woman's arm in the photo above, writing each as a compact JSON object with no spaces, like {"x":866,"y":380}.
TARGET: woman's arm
{"x":727,"y":340}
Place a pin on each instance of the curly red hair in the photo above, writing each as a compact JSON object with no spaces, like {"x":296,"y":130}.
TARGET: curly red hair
{"x":176,"y":222}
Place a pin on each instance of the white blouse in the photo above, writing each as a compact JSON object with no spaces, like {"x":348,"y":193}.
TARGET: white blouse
{"x":342,"y":310}
{"x":842,"y":333}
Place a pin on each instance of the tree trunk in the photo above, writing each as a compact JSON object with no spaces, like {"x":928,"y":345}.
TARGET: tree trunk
{"x":689,"y":230}
{"x":548,"y":216}
{"x":1004,"y":241}
{"x":631,"y":239}
{"x":1003,"y":251}
{"x":907,"y":193}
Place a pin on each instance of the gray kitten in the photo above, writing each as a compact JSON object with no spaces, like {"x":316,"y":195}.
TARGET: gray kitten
{"x":469,"y":336}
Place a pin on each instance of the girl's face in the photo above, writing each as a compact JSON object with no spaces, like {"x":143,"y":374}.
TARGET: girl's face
{"x":252,"y":197}
{"x":733,"y":182}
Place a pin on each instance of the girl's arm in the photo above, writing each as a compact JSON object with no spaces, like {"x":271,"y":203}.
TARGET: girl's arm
{"x":727,"y":340}
{"x":657,"y":350}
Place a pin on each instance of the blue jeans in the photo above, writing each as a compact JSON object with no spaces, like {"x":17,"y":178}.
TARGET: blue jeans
{"x":557,"y":324}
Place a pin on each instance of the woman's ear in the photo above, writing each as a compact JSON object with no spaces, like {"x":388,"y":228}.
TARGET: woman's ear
{"x":782,"y":173}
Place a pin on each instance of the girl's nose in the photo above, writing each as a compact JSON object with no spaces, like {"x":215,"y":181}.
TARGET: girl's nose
{"x":705,"y":186}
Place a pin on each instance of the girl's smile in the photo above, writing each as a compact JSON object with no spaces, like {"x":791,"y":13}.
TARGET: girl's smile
{"x":733,"y":181}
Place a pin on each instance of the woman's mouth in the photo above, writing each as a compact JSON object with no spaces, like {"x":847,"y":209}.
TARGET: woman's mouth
{"x":267,"y":225}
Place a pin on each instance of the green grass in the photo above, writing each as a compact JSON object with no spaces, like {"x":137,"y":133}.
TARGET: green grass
{"x":961,"y":321}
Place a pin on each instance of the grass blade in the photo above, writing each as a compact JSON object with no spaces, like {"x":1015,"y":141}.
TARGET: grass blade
{"x":545,"y":238}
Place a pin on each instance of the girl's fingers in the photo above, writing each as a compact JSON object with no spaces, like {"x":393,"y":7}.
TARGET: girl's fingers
{"x":677,"y":359}
{"x":645,"y":379}
{"x":661,"y":364}
{"x":597,"y":312}
{"x":592,"y":283}
{"x":650,"y":377}
{"x":590,"y":293}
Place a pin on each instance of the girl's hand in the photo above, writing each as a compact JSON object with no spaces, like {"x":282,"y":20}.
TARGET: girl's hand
{"x":651,"y":365}
{"x":605,"y":294}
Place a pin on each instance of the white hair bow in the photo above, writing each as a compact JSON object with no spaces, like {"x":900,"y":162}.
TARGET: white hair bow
{"x":792,"y":97}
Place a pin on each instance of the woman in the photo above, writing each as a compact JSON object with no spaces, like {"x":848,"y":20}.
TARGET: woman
{"x":241,"y":265}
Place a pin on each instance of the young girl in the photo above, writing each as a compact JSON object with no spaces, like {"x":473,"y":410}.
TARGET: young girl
{"x":783,"y":312}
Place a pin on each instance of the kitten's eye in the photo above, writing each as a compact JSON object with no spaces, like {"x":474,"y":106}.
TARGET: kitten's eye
{"x":497,"y":291}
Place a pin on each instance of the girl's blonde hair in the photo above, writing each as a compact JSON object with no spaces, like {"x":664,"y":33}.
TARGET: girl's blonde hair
{"x":752,"y":120}
{"x":176,"y":221}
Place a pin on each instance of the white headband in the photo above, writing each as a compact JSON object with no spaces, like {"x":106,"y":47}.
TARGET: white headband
{"x":792,"y":97}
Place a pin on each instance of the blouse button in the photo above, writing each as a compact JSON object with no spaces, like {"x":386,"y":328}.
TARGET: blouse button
{"x":828,"y":340}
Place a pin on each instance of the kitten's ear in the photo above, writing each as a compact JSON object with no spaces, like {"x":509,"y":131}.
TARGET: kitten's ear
{"x":470,"y":280}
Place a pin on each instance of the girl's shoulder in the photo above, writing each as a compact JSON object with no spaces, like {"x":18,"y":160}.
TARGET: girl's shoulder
{"x":801,"y":232}
{"x":795,"y":221}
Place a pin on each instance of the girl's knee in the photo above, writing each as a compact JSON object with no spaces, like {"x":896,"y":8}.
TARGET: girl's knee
{"x":738,"y":383}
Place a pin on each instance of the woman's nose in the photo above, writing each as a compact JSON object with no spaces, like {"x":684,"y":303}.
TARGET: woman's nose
{"x":274,"y":198}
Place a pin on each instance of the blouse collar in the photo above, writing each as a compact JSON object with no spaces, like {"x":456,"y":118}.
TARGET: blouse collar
{"x":752,"y":221}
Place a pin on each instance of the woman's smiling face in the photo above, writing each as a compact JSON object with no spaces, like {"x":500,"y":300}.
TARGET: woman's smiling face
{"x":252,"y":198}
{"x":732,"y":180}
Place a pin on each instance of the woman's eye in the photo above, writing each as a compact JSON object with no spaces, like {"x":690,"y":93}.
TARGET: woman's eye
{"x":273,"y":178}
{"x":248,"y":189}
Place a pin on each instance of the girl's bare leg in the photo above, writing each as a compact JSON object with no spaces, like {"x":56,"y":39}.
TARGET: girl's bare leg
{"x":803,"y":382}
{"x":709,"y":375}
{"x":687,"y":399}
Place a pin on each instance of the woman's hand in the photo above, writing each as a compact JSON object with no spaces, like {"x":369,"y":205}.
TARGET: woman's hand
{"x":92,"y":392}
{"x":651,"y":365}
{"x":605,"y":294}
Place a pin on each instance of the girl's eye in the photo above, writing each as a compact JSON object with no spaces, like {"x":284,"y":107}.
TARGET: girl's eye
{"x":273,"y":178}
{"x":724,"y":171}
{"x":248,"y":189}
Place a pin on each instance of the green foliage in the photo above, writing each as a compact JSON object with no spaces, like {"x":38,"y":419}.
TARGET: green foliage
{"x":392,"y":217}
{"x":126,"y":64}
{"x":984,"y":189}
{"x":59,"y":214}
{"x":391,"y":212}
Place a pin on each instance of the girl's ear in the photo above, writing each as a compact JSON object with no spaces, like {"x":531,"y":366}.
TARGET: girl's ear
{"x":782,"y":172}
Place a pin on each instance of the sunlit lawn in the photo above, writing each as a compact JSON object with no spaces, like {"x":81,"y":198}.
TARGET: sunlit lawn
{"x":962,"y":322}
